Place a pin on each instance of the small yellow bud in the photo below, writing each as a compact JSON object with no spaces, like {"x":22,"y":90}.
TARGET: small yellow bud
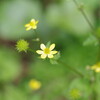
{"x":34,"y":84}
{"x":96,"y":67}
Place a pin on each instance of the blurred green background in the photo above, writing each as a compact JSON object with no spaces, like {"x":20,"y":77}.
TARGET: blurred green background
{"x":59,"y":22}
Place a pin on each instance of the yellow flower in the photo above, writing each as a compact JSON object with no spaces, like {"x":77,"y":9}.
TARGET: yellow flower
{"x":96,"y":67}
{"x":32,"y":25}
{"x":46,"y":52}
{"x":22,"y":45}
{"x":34,"y":84}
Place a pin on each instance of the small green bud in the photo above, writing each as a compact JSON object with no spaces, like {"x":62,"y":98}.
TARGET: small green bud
{"x":22,"y":45}
{"x":75,"y":94}
{"x":37,"y":40}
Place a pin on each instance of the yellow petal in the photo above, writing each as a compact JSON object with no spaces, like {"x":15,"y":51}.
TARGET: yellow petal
{"x":34,"y":27}
{"x":97,"y":70}
{"x":42,"y":46}
{"x":50,"y":56}
{"x":43,"y":56}
{"x":53,"y":52}
{"x":27,"y":25}
{"x":39,"y":51}
{"x":36,"y":22}
{"x":28,"y":28}
{"x":52,"y":46}
{"x":32,"y":20}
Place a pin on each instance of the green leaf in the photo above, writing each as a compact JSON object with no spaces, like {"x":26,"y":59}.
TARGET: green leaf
{"x":53,"y":61}
{"x":10,"y":66}
{"x":48,"y":44}
{"x":91,"y":40}
{"x":57,"y":56}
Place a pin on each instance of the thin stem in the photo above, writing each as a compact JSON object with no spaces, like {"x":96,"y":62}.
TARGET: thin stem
{"x":85,"y":16}
{"x":36,"y":33}
{"x":88,"y":21}
{"x":71,"y":68}
{"x":37,"y":36}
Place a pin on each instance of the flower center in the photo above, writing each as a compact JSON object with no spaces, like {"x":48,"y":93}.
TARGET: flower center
{"x":46,"y":50}
{"x":32,"y":23}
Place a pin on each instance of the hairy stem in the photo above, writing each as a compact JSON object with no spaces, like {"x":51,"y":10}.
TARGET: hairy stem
{"x":84,"y":14}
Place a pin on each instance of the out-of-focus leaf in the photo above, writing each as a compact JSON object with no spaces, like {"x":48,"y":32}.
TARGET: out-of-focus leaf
{"x":48,"y":44}
{"x":91,"y":40}
{"x":10,"y":66}
{"x":56,"y":57}
{"x":53,"y":61}
{"x":98,"y":32}
{"x":36,"y":97}
{"x":13,"y":93}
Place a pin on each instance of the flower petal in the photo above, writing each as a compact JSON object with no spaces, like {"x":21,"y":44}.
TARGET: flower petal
{"x":36,"y":22}
{"x":97,"y":70}
{"x":43,"y":56}
{"x":39,"y":51}
{"x":53,"y":52}
{"x":50,"y":56}
{"x":52,"y":46}
{"x":34,"y":27}
{"x":42,"y":46}
{"x":27,"y":25}
{"x":32,"y":20}
{"x":28,"y":28}
{"x":94,"y":67}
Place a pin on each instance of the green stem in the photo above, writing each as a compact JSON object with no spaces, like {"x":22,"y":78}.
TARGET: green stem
{"x":71,"y":68}
{"x":86,"y":18}
{"x":36,"y":33}
{"x":37,"y":37}
{"x":84,"y":14}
